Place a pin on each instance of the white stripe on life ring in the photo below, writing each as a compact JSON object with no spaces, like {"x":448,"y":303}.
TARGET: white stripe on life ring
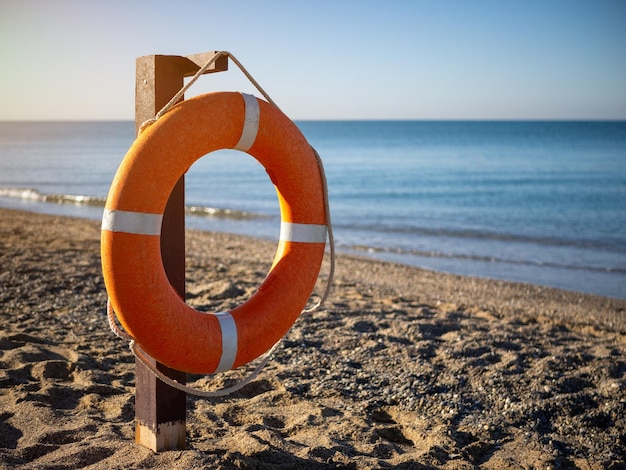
{"x":304,"y":233}
{"x":250,"y":123}
{"x":139,"y":223}
{"x":229,"y":341}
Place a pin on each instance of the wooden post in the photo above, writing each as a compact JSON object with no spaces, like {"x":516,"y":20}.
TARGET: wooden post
{"x":160,"y":410}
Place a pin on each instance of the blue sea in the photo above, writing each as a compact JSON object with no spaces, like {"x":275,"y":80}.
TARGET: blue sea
{"x":535,"y":202}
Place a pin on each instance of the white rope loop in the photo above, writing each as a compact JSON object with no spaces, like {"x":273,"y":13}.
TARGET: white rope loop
{"x":139,"y":354}
{"x":331,"y":238}
{"x":145,"y":360}
{"x":178,"y":96}
{"x":202,"y":393}
{"x":113,"y":325}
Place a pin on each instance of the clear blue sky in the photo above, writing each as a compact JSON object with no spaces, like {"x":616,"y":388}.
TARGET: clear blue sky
{"x":326,"y":59}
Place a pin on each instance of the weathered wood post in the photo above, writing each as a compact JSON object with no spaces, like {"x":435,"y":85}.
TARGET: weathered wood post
{"x":160,"y":410}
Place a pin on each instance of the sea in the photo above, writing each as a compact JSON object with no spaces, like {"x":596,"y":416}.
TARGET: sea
{"x":527,"y":201}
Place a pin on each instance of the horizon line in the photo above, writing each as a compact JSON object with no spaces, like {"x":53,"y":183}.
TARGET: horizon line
{"x":475,"y":119}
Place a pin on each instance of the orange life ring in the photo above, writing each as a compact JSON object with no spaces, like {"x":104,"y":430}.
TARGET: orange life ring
{"x":146,"y":304}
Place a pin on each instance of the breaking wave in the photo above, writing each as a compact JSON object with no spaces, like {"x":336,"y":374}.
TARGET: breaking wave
{"x":30,"y":194}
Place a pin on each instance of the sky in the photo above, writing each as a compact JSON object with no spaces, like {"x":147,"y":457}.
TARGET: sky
{"x":325,"y":59}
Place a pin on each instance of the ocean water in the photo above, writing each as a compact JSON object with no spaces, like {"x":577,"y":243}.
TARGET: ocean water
{"x":536,"y":202}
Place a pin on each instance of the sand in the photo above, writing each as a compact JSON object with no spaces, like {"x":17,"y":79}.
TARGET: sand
{"x":404,"y":368}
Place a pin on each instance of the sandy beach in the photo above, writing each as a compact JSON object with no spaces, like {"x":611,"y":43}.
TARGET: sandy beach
{"x":403,"y":368}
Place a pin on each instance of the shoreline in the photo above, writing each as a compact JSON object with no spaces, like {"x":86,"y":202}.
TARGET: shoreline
{"x":195,"y":223}
{"x":402,"y":367}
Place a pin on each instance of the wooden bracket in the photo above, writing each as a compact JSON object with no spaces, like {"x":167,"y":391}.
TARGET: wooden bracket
{"x":160,"y":410}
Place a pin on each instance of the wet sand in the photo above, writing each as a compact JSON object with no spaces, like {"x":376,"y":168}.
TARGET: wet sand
{"x":403,"y":368}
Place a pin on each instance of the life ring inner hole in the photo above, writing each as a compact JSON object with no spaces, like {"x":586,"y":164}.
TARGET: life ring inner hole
{"x":229,"y":192}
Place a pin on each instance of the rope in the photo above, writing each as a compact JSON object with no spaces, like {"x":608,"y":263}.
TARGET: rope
{"x":144,"y":358}
{"x":331,"y":239}
{"x":203,"y":393}
{"x":178,"y":96}
{"x":114,"y":328}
